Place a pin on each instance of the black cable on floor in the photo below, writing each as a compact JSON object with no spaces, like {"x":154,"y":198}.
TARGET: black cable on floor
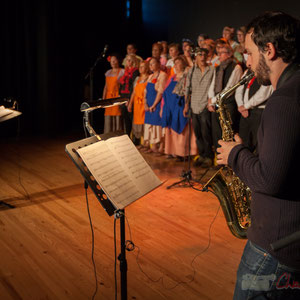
{"x":93,"y":243}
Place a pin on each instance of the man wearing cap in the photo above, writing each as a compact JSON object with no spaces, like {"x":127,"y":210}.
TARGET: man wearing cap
{"x":198,"y":81}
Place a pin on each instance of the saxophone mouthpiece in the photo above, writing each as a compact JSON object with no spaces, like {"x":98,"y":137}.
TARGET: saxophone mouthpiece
{"x":246,"y":78}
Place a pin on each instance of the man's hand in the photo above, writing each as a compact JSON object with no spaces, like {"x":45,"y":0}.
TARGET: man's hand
{"x":245,"y":114}
{"x":210,"y":106}
{"x":225,"y":149}
{"x":185,"y":110}
{"x":244,"y":111}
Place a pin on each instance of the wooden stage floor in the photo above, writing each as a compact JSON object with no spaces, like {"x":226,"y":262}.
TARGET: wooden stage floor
{"x":184,"y":249}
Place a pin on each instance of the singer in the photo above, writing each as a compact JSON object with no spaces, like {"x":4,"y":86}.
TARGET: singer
{"x":272,"y":44}
{"x":126,"y":88}
{"x":112,"y":115}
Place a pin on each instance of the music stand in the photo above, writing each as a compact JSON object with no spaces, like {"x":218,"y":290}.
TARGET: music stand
{"x":71,"y":150}
{"x":7,"y":114}
{"x":108,"y":206}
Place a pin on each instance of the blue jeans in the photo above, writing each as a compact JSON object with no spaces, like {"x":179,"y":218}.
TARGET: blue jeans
{"x":260,"y":276}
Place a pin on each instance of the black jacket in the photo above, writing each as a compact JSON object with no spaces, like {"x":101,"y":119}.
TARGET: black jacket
{"x":273,"y":176}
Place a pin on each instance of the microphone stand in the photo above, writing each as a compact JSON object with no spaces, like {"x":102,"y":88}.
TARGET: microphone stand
{"x":187,"y":175}
{"x":90,"y":75}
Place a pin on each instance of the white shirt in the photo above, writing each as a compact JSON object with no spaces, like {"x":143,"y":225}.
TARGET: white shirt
{"x":170,"y":63}
{"x":233,"y":79}
{"x":263,"y":93}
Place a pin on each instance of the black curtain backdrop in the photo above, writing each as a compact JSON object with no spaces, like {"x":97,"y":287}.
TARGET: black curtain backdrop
{"x":47,"y":49}
{"x":190,"y":18}
{"x":48,"y":46}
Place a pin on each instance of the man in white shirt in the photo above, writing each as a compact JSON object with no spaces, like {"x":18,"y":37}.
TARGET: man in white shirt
{"x":251,"y":100}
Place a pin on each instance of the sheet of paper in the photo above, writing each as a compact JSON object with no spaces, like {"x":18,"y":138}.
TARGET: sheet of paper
{"x":134,"y":163}
{"x":5,"y":111}
{"x":119,"y":169}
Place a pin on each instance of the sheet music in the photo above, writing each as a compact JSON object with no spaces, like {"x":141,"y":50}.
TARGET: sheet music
{"x":132,"y":161}
{"x":4,"y":111}
{"x":119,"y":169}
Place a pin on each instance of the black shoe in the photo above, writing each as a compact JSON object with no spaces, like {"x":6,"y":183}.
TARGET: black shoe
{"x":179,"y":159}
{"x":207,"y":163}
{"x":136,"y":141}
{"x":198,"y":162}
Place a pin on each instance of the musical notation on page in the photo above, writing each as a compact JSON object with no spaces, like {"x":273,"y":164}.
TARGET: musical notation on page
{"x":119,"y":169}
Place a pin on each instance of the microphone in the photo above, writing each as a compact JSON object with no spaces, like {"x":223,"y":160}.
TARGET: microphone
{"x":101,"y":56}
{"x":104,"y":50}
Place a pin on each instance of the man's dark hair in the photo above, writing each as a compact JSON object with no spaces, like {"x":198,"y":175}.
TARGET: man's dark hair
{"x":199,"y":50}
{"x":133,"y":45}
{"x":174,"y":45}
{"x":204,"y":35}
{"x":117,"y":56}
{"x":280,"y":29}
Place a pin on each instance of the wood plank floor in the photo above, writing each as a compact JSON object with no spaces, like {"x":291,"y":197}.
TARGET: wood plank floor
{"x":184,"y":249}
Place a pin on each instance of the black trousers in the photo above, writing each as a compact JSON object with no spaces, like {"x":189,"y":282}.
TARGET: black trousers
{"x":249,"y":127}
{"x":216,"y":128}
{"x":202,"y":128}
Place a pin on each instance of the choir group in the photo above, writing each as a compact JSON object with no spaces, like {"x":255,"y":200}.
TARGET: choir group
{"x":171,"y":108}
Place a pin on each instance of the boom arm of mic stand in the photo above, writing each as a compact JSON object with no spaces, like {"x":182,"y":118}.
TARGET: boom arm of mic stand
{"x":100,"y":57}
{"x":88,"y":126}
{"x":90,"y":75}
{"x":86,"y":108}
{"x":86,"y":120}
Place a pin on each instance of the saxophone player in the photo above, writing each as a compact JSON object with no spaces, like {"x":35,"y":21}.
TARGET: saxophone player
{"x":272,"y":44}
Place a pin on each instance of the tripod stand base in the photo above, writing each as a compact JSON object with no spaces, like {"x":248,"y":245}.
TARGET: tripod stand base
{"x":2,"y":203}
{"x":185,"y":182}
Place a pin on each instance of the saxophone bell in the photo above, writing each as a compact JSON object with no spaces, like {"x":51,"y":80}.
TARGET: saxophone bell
{"x":233,"y":194}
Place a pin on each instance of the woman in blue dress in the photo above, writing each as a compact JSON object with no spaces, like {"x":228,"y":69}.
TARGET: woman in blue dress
{"x":153,"y":133}
{"x":176,"y":132}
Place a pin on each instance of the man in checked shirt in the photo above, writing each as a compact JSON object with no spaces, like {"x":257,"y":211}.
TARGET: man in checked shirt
{"x":198,"y":81}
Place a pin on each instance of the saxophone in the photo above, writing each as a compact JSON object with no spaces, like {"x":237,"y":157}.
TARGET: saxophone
{"x":233,"y":194}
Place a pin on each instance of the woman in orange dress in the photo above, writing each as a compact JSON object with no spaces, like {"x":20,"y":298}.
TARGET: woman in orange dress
{"x":137,"y":102}
{"x":112,"y":115}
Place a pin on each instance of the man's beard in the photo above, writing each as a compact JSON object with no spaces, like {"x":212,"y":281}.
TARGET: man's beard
{"x":263,"y":72}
